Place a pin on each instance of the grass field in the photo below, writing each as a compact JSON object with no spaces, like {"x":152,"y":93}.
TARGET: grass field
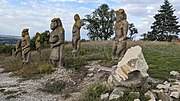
{"x":162,"y":57}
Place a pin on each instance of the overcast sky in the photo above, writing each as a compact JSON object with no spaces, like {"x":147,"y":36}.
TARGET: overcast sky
{"x":37,"y":14}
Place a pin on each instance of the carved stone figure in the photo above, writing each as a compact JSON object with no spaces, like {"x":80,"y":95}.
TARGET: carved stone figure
{"x":38,"y":45}
{"x":121,"y":29}
{"x":17,"y":51}
{"x":76,"y":34}
{"x":25,"y":45}
{"x":57,"y":42}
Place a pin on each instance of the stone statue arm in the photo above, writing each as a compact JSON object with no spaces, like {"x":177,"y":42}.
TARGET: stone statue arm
{"x":61,"y":39}
{"x":27,"y":39}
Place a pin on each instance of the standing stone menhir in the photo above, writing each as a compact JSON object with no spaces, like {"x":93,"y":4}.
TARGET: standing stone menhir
{"x":57,"y":42}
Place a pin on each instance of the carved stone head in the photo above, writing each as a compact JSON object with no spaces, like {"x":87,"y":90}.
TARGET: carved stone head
{"x":76,"y":17}
{"x":55,"y":22}
{"x":37,"y":34}
{"x":25,"y":32}
{"x":120,"y":15}
{"x":18,"y":42}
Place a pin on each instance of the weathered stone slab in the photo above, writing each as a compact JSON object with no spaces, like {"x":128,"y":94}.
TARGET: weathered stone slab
{"x":131,"y":71}
{"x":117,"y":93}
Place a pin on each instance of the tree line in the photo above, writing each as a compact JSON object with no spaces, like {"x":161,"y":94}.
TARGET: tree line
{"x":100,"y":25}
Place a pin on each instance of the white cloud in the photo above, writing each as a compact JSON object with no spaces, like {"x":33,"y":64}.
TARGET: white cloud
{"x":37,"y":14}
{"x":79,"y":1}
{"x":61,"y":0}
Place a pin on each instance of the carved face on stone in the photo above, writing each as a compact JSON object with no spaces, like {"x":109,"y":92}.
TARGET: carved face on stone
{"x":76,"y":17}
{"x":37,"y":34}
{"x":56,"y":22}
{"x":120,"y":15}
{"x":25,"y":32}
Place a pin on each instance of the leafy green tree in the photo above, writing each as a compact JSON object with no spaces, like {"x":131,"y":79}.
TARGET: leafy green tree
{"x":100,"y":23}
{"x":32,"y":43}
{"x":44,"y":40}
{"x":132,"y":31}
{"x":149,"y":36}
{"x":166,"y":24}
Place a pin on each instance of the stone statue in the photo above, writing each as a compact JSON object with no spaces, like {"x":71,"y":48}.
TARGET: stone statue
{"x":121,"y":29}
{"x":76,"y":34}
{"x":57,"y":42}
{"x":17,"y":51}
{"x":25,"y":45}
{"x":38,"y":45}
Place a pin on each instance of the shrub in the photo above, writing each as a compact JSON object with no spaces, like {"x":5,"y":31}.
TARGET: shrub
{"x":93,"y":92}
{"x":45,"y":68}
{"x":54,"y":87}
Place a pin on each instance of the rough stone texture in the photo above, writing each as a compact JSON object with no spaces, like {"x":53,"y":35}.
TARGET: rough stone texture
{"x":150,"y":96}
{"x":164,"y":96}
{"x":173,"y":73}
{"x":137,"y":100}
{"x":162,"y":86}
{"x":104,"y":96}
{"x":153,"y":80}
{"x":175,"y":95}
{"x":131,"y":71}
{"x":117,"y":93}
{"x":90,"y":75}
{"x":175,"y":88}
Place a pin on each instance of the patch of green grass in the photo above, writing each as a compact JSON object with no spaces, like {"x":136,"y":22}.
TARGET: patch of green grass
{"x":54,"y":87}
{"x":6,"y":48}
{"x":45,"y":68}
{"x":34,"y":71}
{"x":74,"y":62}
{"x":86,"y":54}
{"x":162,"y":59}
{"x":12,"y":65}
{"x":108,"y":63}
{"x":37,"y":66}
{"x":93,"y":92}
